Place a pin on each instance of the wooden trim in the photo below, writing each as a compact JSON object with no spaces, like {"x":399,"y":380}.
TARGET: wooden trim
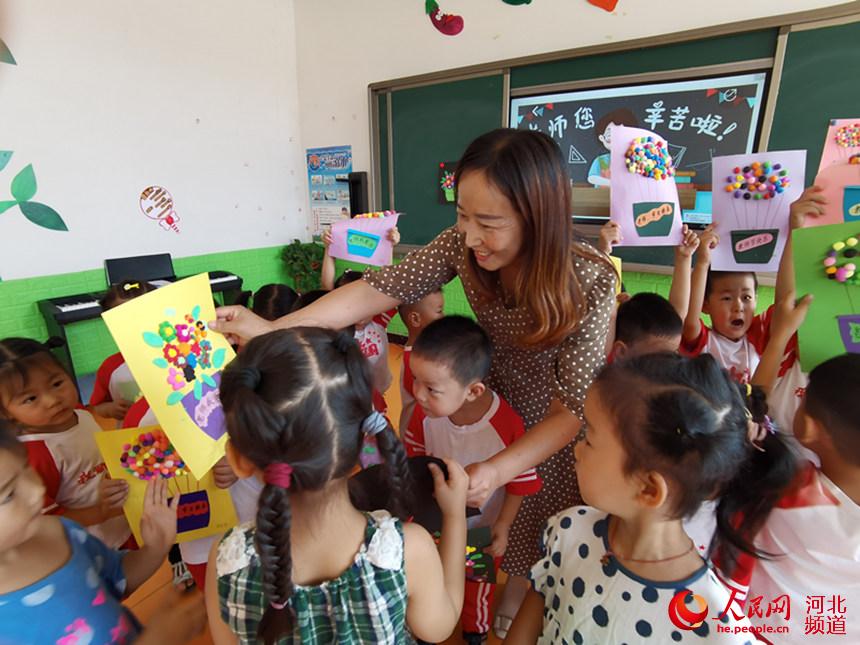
{"x":376,"y":193}
{"x":745,"y":67}
{"x":390,"y":125}
{"x":796,"y":20}
{"x":821,"y":24}
{"x":773,"y":90}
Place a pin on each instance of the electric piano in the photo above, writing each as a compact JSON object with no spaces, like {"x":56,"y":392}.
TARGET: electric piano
{"x":66,"y":310}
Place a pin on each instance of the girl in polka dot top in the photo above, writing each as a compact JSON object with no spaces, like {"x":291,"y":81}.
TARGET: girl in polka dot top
{"x":663,"y":434}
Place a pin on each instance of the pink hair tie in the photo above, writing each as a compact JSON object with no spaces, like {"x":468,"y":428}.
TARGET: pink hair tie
{"x":278,"y":474}
{"x":277,"y":605}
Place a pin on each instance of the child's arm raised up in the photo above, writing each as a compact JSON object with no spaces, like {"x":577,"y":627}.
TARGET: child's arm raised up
{"x":158,"y":530}
{"x":679,"y":294}
{"x":788,"y":315}
{"x":328,"y":269}
{"x":528,"y":623}
{"x":692,"y":322}
{"x":436,"y":592}
{"x":810,"y":203}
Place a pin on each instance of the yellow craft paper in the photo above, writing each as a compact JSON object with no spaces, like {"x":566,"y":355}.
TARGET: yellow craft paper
{"x":195,"y":495}
{"x":141,"y":318}
{"x":617,"y":263}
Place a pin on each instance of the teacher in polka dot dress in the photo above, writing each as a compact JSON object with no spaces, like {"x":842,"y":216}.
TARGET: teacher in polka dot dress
{"x":544,"y":298}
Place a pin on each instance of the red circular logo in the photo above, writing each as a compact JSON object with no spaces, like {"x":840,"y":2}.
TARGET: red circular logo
{"x":682,"y":616}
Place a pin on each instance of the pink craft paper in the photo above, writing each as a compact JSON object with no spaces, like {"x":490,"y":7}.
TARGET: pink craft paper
{"x":833,"y":180}
{"x":738,"y":215}
{"x":343,"y":232}
{"x":833,"y":154}
{"x":629,"y":191}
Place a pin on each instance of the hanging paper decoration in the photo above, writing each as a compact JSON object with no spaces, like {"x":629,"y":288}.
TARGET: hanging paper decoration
{"x":751,"y":208}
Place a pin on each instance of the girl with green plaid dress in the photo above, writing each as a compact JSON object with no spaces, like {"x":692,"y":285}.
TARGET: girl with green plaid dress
{"x":314,"y":569}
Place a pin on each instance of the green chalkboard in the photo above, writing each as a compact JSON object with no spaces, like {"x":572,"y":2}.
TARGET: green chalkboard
{"x":430,"y":125}
{"x":820,"y":81}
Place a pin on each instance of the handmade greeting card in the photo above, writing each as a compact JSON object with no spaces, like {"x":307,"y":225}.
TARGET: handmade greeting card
{"x":842,"y":144}
{"x":751,"y":202}
{"x":364,"y":238}
{"x":644,"y":198}
{"x":825,"y":261}
{"x":177,"y":362}
{"x":137,"y":455}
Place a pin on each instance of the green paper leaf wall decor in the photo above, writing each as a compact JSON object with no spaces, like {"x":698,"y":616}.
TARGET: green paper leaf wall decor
{"x":43,"y":215}
{"x":24,"y":184}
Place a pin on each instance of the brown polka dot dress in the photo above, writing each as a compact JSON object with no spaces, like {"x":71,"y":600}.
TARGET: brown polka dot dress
{"x":528,"y":378}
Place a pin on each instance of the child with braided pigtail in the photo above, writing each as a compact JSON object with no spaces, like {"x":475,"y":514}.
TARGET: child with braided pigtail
{"x":315,"y":569}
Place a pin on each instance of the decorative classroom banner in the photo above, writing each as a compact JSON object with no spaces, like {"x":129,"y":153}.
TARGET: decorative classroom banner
{"x":137,"y":455}
{"x":328,"y":179}
{"x":752,"y":198}
{"x":177,"y":362}
{"x":644,"y":197}
{"x":825,"y":261}
{"x":839,"y":173}
{"x":364,"y":238}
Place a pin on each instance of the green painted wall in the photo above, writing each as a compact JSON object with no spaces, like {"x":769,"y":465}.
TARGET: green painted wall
{"x":90,"y":341}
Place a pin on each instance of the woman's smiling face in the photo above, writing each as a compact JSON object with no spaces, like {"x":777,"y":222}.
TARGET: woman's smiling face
{"x":492,"y":226}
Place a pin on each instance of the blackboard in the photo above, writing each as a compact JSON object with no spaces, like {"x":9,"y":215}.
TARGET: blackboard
{"x":434,"y":124}
{"x":699,"y":119}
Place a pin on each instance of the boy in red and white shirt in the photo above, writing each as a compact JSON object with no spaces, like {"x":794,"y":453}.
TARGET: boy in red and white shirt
{"x":458,"y":417}
{"x":416,"y":317}
{"x":738,"y":337}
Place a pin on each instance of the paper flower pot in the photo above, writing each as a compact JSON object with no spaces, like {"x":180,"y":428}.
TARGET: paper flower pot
{"x":449,"y":194}
{"x":193,"y":511}
{"x":849,"y":332}
{"x":361,"y":243}
{"x":206,"y":412}
{"x":653,"y":219}
{"x":754,"y":246}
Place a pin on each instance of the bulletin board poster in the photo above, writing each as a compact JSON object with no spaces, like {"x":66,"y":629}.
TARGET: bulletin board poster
{"x":328,"y":181}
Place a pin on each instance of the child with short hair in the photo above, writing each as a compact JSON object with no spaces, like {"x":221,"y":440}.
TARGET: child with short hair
{"x":314,"y":569}
{"x":663,"y":434}
{"x":38,"y":396}
{"x":59,"y":584}
{"x":458,"y":417}
{"x":416,"y":317}
{"x":813,"y":530}
{"x":645,"y":324}
{"x":271,"y":301}
{"x":115,"y":389}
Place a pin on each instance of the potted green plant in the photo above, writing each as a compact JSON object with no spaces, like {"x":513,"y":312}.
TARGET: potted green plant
{"x":302,"y":261}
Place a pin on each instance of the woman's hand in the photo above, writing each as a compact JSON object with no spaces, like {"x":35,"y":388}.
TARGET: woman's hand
{"x":158,"y":522}
{"x":239,"y":324}
{"x":483,"y":480}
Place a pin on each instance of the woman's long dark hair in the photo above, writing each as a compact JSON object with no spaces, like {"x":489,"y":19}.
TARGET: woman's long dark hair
{"x":299,"y":396}
{"x":529,"y":170}
{"x":687,"y":419}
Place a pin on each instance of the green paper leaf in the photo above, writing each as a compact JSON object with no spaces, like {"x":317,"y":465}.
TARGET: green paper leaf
{"x":174,"y":398}
{"x":854,"y":329}
{"x":209,"y":381}
{"x":5,"y":206}
{"x":42,"y":215}
{"x":218,"y":358}
{"x":151,"y":339}
{"x":5,"y":156}
{"x":195,"y":313}
{"x":160,"y":362}
{"x":5,"y":55}
{"x":24,"y":184}
{"x":198,"y":389}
